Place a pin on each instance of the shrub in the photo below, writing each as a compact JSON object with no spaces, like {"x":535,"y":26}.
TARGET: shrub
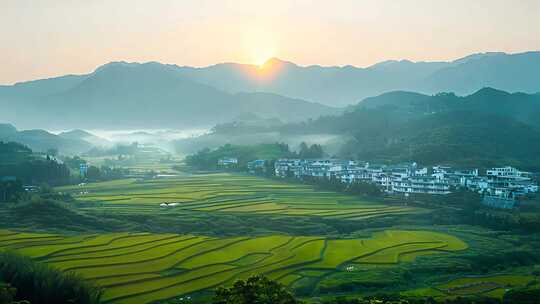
{"x":41,"y":284}
{"x":255,"y":290}
{"x":7,"y":293}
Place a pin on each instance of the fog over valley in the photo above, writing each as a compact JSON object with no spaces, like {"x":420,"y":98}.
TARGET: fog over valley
{"x":270,"y":152}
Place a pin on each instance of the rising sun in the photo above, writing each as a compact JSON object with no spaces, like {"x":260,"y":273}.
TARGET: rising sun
{"x":259,"y":45}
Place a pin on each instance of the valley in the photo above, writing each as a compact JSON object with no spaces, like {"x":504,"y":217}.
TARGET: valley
{"x":270,"y":152}
{"x":185,"y":233}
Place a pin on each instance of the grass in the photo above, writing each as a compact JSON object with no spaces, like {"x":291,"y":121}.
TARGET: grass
{"x":143,"y":268}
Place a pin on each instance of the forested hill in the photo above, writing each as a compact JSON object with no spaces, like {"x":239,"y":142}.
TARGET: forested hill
{"x":42,"y":141}
{"x":19,"y":161}
{"x":489,"y":127}
{"x":14,"y":153}
{"x":520,"y":106}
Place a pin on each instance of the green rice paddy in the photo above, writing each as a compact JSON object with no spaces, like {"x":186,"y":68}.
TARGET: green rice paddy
{"x":143,"y":268}
{"x":150,"y":267}
{"x":228,"y":193}
{"x":491,"y":286}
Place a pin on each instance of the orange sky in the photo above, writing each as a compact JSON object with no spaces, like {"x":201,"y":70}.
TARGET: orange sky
{"x":49,"y":38}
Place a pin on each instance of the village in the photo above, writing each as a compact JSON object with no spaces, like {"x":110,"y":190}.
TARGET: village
{"x":501,"y":187}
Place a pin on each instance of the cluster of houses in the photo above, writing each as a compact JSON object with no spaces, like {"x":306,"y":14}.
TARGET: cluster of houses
{"x":500,"y":187}
{"x":227,"y":162}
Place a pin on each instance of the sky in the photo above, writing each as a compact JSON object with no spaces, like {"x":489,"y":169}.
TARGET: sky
{"x":47,"y":38}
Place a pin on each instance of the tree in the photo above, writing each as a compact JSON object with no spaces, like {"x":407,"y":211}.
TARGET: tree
{"x":41,"y":284}
{"x":11,"y":190}
{"x":522,"y":295}
{"x":255,"y":290}
{"x":93,"y":173}
{"x":303,"y":150}
{"x":364,"y":188}
{"x":313,"y":151}
{"x":74,"y":162}
{"x":7,"y":293}
{"x":52,"y":152}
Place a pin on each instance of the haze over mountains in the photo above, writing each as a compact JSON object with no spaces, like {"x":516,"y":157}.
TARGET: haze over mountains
{"x":154,"y":95}
{"x":341,"y":86}
{"x":41,"y":140}
{"x":129,"y":95}
{"x":482,"y":129}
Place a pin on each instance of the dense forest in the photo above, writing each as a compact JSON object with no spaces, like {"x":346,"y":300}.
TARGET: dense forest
{"x":209,"y":158}
{"x":20,"y":162}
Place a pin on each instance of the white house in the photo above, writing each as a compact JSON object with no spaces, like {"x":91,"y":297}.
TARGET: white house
{"x":227,"y":162}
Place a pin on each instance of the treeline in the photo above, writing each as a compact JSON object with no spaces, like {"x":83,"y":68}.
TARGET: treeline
{"x":38,"y":171}
{"x":466,"y":208}
{"x":12,"y":153}
{"x":27,"y":281}
{"x":18,"y":161}
{"x":261,"y":290}
{"x":20,"y":166}
{"x":94,"y":173}
{"x":515,"y":296}
{"x":208,"y":159}
{"x":11,"y":190}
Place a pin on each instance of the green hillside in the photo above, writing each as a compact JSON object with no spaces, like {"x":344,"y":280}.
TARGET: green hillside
{"x":17,"y":160}
{"x":41,"y":141}
{"x":486,"y":128}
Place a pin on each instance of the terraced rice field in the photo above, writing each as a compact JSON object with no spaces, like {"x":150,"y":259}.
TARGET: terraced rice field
{"x":228,"y":193}
{"x":143,"y":268}
{"x":493,"y":286}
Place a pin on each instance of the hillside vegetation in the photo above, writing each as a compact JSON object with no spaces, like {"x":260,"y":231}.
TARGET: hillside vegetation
{"x":487,"y":128}
{"x":42,"y":141}
{"x":19,"y":161}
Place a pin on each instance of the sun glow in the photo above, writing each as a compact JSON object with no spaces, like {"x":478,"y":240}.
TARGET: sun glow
{"x":259,"y":46}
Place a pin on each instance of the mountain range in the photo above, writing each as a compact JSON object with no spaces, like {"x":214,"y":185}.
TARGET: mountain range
{"x":150,"y":95}
{"x":154,"y":95}
{"x":341,"y":86}
{"x":483,"y":129}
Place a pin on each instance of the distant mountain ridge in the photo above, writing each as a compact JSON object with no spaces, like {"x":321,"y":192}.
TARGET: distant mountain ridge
{"x":83,"y":135}
{"x":134,"y":95}
{"x":41,"y":140}
{"x":341,"y":86}
{"x":518,"y":106}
